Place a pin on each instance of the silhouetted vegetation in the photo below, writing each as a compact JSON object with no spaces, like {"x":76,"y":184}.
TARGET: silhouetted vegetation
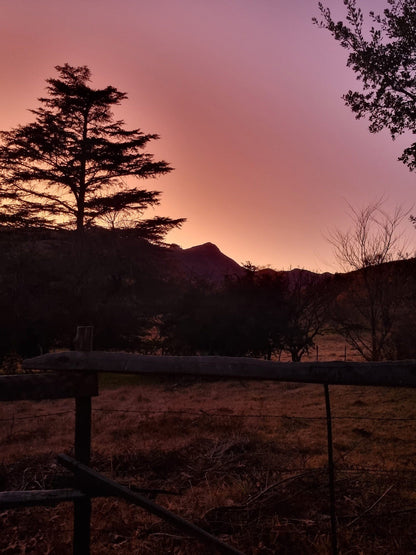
{"x":374,"y":313}
{"x":307,"y":299}
{"x":76,"y":250}
{"x":373,"y":310}
{"x":52,"y":281}
{"x":383,"y":59}
{"x":68,"y":168}
{"x":372,"y":304}
{"x":138,"y":299}
{"x":68,"y":171}
{"x":241,"y":318}
{"x":258,"y":314}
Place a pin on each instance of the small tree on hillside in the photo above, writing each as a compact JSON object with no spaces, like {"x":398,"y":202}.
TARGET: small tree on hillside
{"x":68,"y":167}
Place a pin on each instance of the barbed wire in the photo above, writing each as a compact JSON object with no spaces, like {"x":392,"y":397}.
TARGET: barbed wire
{"x":216,"y":415}
{"x":14,"y":418}
{"x":255,"y":415}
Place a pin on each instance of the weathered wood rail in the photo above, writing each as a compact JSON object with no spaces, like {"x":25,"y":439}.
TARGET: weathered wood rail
{"x":389,"y":374}
{"x":74,"y":374}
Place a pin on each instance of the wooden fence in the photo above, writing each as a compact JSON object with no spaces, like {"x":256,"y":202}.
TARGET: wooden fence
{"x":74,"y":374}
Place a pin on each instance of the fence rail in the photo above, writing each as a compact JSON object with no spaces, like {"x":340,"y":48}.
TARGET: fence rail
{"x":389,"y":374}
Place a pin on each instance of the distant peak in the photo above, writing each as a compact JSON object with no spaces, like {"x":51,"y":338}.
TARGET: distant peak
{"x":205,"y":247}
{"x":206,"y":261}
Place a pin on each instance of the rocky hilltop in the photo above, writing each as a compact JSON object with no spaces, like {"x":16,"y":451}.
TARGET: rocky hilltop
{"x":206,"y":262}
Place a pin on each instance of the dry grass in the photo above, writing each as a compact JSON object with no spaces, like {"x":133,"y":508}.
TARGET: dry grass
{"x":244,"y":460}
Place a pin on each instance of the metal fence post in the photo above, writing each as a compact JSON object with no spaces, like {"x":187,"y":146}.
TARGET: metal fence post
{"x":331,"y":472}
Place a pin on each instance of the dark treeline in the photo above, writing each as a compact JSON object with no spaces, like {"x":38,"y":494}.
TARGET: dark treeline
{"x":137,"y":299}
{"x":52,"y":281}
{"x":259,"y":314}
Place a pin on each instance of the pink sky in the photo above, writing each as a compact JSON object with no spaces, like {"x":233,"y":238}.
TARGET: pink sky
{"x":246,"y":96}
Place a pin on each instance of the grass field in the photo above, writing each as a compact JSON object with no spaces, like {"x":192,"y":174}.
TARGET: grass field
{"x":245,"y":460}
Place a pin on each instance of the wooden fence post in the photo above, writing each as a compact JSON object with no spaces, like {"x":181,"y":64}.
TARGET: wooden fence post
{"x":82,"y":507}
{"x":84,"y":338}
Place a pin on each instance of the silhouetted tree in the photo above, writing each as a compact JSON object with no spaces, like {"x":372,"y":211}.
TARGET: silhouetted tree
{"x":367,"y":312}
{"x":306,"y":303}
{"x":384,"y":61}
{"x":68,"y":168}
{"x":374,"y":238}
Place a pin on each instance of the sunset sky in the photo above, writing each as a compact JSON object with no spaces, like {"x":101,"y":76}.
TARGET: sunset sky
{"x":246,"y":96}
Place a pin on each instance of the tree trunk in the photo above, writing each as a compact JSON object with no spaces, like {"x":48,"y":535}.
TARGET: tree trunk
{"x":80,"y":215}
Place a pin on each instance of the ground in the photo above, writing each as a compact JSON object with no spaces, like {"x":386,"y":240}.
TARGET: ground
{"x":245,"y":460}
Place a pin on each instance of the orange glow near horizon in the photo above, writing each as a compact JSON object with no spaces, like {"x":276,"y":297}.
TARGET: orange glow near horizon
{"x":246,"y":97}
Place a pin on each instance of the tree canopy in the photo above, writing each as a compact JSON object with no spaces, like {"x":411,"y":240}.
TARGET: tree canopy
{"x":382,"y":54}
{"x":69,"y":168}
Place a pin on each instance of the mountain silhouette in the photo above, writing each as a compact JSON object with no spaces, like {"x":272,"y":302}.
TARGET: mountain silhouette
{"x":204,"y":262}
